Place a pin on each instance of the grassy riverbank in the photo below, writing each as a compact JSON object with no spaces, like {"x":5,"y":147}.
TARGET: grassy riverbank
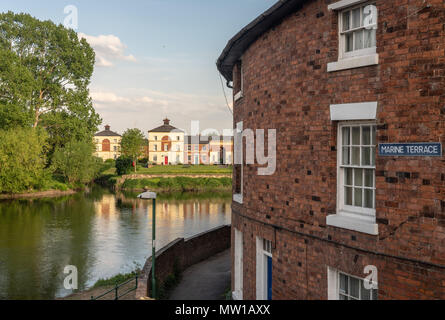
{"x":179,"y":184}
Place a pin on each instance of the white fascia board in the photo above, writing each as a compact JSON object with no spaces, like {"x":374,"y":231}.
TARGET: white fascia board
{"x":354,"y":111}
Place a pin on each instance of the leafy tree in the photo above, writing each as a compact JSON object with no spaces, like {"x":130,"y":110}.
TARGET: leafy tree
{"x":132,"y":144}
{"x":75,"y":162}
{"x":45,"y":71}
{"x":123,"y":165}
{"x":22,"y":159}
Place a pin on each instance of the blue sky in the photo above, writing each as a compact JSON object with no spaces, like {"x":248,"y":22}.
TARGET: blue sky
{"x":155,"y":58}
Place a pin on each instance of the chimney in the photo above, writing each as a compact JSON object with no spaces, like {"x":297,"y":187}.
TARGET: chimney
{"x":107,"y":127}
{"x":166,"y":121}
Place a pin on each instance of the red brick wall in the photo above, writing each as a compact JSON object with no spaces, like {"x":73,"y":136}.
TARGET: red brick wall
{"x":287,"y":87}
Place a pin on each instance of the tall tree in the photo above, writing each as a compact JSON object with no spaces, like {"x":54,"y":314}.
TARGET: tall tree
{"x":132,"y":145}
{"x":45,"y":77}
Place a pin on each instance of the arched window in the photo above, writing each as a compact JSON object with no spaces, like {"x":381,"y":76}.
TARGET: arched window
{"x":106,"y":145}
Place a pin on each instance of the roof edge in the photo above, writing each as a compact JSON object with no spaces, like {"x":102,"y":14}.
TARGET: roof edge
{"x":250,"y":33}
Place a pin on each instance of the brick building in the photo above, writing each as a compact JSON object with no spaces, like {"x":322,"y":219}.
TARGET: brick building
{"x":336,"y":79}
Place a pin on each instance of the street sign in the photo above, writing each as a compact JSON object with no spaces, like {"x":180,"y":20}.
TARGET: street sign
{"x":423,"y":149}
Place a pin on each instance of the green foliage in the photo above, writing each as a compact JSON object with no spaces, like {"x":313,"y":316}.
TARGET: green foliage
{"x":124,"y":165}
{"x":45,"y":70}
{"x":22,"y":159}
{"x":132,"y":144}
{"x":75,"y":162}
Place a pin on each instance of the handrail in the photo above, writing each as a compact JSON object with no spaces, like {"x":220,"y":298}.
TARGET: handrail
{"x":116,"y":290}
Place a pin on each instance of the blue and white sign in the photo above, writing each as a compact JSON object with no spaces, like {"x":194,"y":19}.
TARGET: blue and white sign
{"x":425,"y":149}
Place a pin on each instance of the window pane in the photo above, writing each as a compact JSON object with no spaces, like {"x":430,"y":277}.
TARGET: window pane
{"x":365,"y":294}
{"x":342,"y":297}
{"x":356,"y":136}
{"x":356,"y":18}
{"x":348,"y":196}
{"x":346,"y":20}
{"x":358,"y":177}
{"x":346,"y":136}
{"x":375,"y":294}
{"x":358,"y":197}
{"x":370,"y":38}
{"x":346,"y":155}
{"x":366,"y":156}
{"x":369,"y":178}
{"x":343,"y":284}
{"x":366,"y":136}
{"x":373,"y":156}
{"x":369,"y":198}
{"x":358,"y":40}
{"x":348,"y":177}
{"x":354,"y":285}
{"x":356,"y":156}
{"x":374,"y":129}
{"x":349,"y":43}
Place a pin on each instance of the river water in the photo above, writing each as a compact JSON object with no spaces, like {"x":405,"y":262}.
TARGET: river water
{"x":99,"y":232}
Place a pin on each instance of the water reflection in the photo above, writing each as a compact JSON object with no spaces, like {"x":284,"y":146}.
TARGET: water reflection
{"x":101,"y":233}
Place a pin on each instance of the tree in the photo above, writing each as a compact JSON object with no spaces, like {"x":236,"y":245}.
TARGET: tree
{"x":123,"y":165}
{"x":45,"y":71}
{"x":132,"y":144}
{"x":75,"y":162}
{"x":22,"y":159}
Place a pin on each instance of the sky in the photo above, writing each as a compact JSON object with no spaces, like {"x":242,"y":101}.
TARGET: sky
{"x":155,"y":58}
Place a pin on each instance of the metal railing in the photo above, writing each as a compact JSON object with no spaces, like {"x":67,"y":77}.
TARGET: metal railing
{"x":116,"y":290}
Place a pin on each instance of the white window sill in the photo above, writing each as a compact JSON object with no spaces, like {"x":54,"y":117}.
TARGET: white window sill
{"x":236,"y":296}
{"x":239,"y":96}
{"x":354,"y":62}
{"x":355,"y":224}
{"x":238,"y":198}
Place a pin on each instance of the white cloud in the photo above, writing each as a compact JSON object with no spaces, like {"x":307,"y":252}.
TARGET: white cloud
{"x":145,"y":109}
{"x":108,"y":48}
{"x":107,"y":97}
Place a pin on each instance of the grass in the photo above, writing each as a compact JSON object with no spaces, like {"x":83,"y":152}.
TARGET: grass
{"x":117,"y":279}
{"x":178,"y":170}
{"x":179,"y":184}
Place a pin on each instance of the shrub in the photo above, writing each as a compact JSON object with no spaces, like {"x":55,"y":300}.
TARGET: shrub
{"x":124,"y":165}
{"x":22,"y":159}
{"x":75,"y":162}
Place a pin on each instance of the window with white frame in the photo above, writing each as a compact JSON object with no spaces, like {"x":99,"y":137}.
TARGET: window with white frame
{"x":237,"y":294}
{"x":357,"y":30}
{"x":238,"y":85}
{"x":264,"y":269}
{"x":155,"y":147}
{"x":238,"y":165}
{"x":357,"y":168}
{"x":352,"y":288}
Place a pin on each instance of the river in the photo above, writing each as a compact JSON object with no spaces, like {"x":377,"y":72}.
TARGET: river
{"x":99,"y":232}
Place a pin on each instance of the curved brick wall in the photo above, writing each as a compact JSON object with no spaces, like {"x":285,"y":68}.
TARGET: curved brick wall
{"x":287,"y":87}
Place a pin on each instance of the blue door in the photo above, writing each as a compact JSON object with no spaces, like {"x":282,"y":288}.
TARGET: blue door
{"x":269,"y":278}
